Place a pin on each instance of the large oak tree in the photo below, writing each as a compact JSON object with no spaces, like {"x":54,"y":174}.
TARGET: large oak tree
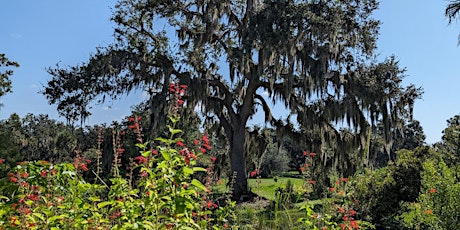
{"x":313,"y":57}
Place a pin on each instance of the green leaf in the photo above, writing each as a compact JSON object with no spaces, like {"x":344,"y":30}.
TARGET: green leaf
{"x":187,"y":171}
{"x":174,"y":131}
{"x":105,"y":203}
{"x":198,"y":184}
{"x":39,"y":215}
{"x":199,"y":169}
{"x":166,"y":155}
{"x":146,"y":153}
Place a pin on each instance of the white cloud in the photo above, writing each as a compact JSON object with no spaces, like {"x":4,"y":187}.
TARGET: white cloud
{"x":16,"y":36}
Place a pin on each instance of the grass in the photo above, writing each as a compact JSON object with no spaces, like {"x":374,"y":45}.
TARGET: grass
{"x":264,"y":187}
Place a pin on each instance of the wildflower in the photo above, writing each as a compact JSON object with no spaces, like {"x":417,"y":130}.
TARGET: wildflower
{"x":210,"y":204}
{"x":354,"y":224}
{"x":193,"y":156}
{"x":254,"y":173}
{"x":203,"y":150}
{"x":205,"y":139}
{"x":225,"y":225}
{"x":187,"y":160}
{"x":13,"y":179}
{"x":345,"y":218}
{"x":83,"y":167}
{"x":341,"y":210}
{"x":154,"y":152}
{"x":1,"y":161}
{"x":429,"y":211}
{"x":207,"y":146}
{"x":315,"y":215}
{"x":304,"y":153}
{"x":312,"y":154}
{"x":331,"y":189}
{"x":24,"y":175}
{"x":433,"y":190}
{"x":140,"y":159}
{"x":342,"y":226}
{"x":196,"y":142}
{"x":312,"y":182}
{"x":143,"y":174}
{"x":180,"y":144}
{"x":345,"y":180}
{"x":352,"y":212}
{"x":213,"y":159}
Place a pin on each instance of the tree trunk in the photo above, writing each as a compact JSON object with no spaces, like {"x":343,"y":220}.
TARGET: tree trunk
{"x":238,"y":162}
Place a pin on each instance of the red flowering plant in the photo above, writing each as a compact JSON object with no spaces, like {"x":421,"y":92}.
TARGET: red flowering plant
{"x":164,"y":193}
{"x":337,"y":210}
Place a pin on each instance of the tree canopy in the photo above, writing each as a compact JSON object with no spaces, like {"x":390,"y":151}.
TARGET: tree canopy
{"x":5,"y":73}
{"x":314,"y":57}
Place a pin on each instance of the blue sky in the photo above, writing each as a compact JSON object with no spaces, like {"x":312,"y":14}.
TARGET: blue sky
{"x":40,"y":34}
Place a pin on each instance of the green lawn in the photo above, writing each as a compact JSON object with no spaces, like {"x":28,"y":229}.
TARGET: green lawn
{"x":265,"y":187}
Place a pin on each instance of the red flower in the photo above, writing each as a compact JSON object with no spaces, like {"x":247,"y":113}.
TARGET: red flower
{"x":203,"y":150}
{"x":143,"y":174}
{"x":304,"y":153}
{"x":196,"y":142}
{"x":155,"y":152}
{"x":24,"y":175}
{"x":433,"y":190}
{"x":205,"y":139}
{"x":354,"y":224}
{"x":208,"y":147}
{"x":312,"y":182}
{"x":187,"y":160}
{"x":1,"y":161}
{"x":193,"y":156}
{"x":13,"y":179}
{"x":312,"y":154}
{"x":210,"y":204}
{"x":131,"y":119}
{"x":429,"y":211}
{"x":331,"y":189}
{"x":254,"y":173}
{"x":140,"y":159}
{"x":213,"y":159}
{"x":44,"y":173}
{"x":345,"y":218}
{"x":341,"y":210}
{"x":345,"y":179}
{"x":352,"y":212}
{"x":180,"y":144}
{"x":83,"y":167}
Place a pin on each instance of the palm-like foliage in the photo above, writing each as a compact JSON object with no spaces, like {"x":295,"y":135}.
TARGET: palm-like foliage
{"x":452,"y":10}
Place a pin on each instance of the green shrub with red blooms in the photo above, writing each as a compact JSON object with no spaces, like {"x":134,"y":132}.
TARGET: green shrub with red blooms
{"x":163,"y":193}
{"x":336,"y":211}
{"x":438,"y":204}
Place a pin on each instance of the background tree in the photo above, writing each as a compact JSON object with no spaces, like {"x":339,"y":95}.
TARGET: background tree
{"x":307,"y":55}
{"x":452,"y":11}
{"x":5,"y":73}
{"x":450,"y":143}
